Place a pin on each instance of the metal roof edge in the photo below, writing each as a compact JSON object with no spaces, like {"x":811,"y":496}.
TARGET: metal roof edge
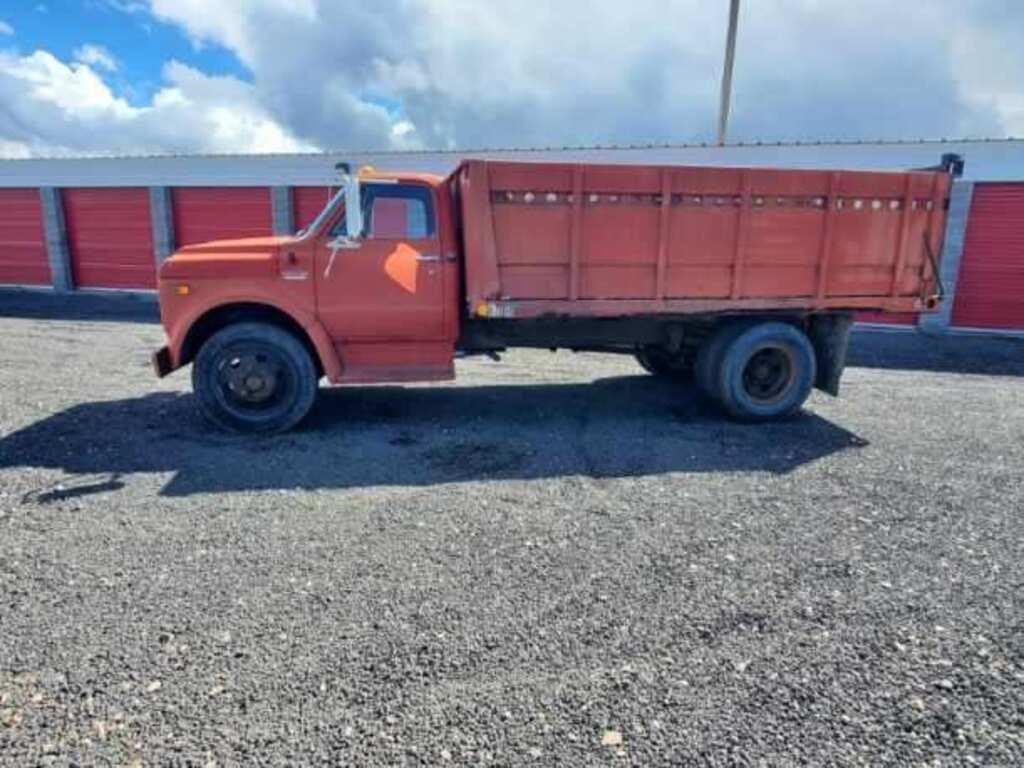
{"x":802,"y":143}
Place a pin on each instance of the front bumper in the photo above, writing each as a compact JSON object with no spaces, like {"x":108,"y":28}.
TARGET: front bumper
{"x":162,"y":362}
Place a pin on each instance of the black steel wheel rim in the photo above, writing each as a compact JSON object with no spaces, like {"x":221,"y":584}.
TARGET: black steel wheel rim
{"x":254,"y":379}
{"x":768,"y":375}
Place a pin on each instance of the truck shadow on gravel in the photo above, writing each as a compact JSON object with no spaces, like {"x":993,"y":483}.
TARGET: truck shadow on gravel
{"x":419,"y":436}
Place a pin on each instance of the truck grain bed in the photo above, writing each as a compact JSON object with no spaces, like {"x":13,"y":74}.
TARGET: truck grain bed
{"x":563,"y":239}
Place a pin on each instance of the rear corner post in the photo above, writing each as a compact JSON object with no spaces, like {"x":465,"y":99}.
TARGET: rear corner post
{"x":162,"y":222}
{"x":55,"y":229}
{"x":281,"y":208}
{"x":960,"y":197}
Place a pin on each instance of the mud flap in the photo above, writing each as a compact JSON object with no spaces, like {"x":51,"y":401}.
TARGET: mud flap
{"x":162,"y":362}
{"x":830,"y":335}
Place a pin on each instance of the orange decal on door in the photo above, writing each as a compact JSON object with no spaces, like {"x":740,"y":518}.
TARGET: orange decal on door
{"x":401,"y":265}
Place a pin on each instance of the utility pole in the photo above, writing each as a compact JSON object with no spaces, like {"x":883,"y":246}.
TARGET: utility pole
{"x":730,"y":53}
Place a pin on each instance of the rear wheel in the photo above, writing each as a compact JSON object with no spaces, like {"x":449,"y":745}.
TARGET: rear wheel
{"x":254,"y":377}
{"x":709,"y":358}
{"x":764,"y":372}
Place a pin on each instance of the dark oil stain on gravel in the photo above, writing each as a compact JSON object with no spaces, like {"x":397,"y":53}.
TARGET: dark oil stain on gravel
{"x":404,"y":439}
{"x":475,"y":458}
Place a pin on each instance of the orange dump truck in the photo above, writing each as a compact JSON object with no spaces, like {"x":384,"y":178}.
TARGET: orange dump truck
{"x":744,"y":278}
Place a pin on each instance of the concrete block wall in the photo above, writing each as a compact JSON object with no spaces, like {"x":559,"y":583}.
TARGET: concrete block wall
{"x":161,"y":219}
{"x":56,"y":233}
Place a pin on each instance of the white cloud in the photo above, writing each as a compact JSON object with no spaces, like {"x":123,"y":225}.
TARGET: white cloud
{"x":988,"y":66}
{"x":15,"y":150}
{"x":461,"y":73}
{"x":96,"y":56}
{"x":48,"y":106}
{"x":466,"y":73}
{"x":127,"y":6}
{"x":73,"y":89}
{"x":230,"y":22}
{"x":5,"y":28}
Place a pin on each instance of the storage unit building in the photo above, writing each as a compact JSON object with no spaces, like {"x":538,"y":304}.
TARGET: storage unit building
{"x":23,"y":259}
{"x":219,"y":213}
{"x":307,"y":202}
{"x":108,"y":222}
{"x":109,"y":237}
{"x":990,"y":289}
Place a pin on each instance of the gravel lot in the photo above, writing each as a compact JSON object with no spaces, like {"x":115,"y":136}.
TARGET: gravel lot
{"x":557,"y":560}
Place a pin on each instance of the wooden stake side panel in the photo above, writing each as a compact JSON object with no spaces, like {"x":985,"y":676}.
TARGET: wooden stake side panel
{"x":566,"y":233}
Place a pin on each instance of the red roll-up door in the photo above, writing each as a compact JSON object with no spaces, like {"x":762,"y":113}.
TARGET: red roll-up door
{"x":307,"y":202}
{"x":110,"y":237}
{"x":220,"y":213}
{"x":23,"y":259}
{"x":990,"y":288}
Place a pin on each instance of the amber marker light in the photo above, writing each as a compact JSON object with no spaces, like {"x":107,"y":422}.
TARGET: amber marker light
{"x":182,"y":289}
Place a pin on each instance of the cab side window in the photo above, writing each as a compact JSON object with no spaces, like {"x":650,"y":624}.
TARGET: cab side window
{"x":394,"y":212}
{"x":398,"y":211}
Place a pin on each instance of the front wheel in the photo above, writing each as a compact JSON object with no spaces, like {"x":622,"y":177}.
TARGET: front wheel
{"x":254,"y":377}
{"x":764,"y":372}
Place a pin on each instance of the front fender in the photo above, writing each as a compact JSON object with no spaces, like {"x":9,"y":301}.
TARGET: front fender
{"x":180,"y":314}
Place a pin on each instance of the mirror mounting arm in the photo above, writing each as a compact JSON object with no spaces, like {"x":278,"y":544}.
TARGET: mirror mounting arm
{"x":341,"y":243}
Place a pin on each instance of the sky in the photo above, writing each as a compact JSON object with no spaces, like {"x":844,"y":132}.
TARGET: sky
{"x":88,"y":77}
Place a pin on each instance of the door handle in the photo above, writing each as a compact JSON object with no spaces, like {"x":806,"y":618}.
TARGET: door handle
{"x":427,"y":257}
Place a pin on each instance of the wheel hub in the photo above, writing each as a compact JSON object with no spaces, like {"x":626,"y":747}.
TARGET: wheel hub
{"x":250,"y":379}
{"x":768,"y":374}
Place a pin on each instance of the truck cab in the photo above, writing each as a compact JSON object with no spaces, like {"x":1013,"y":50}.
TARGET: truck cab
{"x":377,"y":305}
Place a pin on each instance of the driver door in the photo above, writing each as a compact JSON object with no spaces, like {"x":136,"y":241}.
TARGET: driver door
{"x":390,"y":287}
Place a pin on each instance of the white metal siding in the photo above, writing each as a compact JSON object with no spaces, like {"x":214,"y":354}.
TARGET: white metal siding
{"x":1001,"y":160}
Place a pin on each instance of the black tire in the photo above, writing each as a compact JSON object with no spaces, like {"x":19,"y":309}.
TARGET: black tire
{"x":765,"y":372}
{"x":710,"y":354}
{"x":660,"y":362}
{"x":255,"y":378}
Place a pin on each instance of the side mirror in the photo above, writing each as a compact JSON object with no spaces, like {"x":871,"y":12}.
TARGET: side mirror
{"x":353,"y":207}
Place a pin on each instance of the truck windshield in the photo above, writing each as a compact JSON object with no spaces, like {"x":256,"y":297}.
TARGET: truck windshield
{"x":332,"y":204}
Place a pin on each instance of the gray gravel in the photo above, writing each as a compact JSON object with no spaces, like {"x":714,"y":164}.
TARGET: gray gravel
{"x":557,"y":560}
